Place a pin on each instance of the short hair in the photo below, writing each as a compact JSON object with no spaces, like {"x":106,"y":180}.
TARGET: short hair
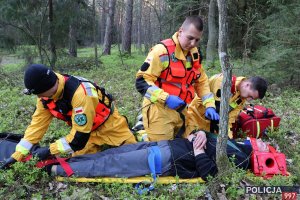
{"x":259,"y":84}
{"x":195,"y":20}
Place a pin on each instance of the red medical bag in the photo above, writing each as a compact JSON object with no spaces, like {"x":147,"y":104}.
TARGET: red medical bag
{"x":254,"y":121}
{"x":267,"y":164}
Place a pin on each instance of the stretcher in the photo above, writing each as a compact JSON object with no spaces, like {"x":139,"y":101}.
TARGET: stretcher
{"x":160,"y":180}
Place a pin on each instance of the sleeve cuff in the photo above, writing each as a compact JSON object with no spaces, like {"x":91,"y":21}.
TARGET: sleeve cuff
{"x":156,"y":94}
{"x":162,"y":97}
{"x":54,"y":148}
{"x":210,"y":104}
{"x":18,"y":156}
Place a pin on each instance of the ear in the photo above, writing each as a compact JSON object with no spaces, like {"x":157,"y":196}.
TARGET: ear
{"x":180,"y":30}
{"x":248,"y":84}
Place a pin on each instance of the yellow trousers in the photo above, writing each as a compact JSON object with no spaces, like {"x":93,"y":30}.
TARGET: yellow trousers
{"x":196,"y":117}
{"x":113,"y":132}
{"x":160,"y":122}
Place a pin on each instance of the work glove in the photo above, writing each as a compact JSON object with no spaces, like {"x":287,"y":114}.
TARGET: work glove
{"x":7,"y":163}
{"x":41,"y":153}
{"x":211,"y":114}
{"x":174,"y":102}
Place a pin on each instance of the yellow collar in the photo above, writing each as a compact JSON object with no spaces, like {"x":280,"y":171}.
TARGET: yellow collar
{"x":61,"y":85}
{"x":179,"y":53}
{"x":239,"y":79}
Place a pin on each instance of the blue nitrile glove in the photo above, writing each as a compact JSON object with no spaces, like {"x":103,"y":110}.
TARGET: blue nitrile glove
{"x":211,"y":114}
{"x":174,"y":102}
{"x":42,"y":153}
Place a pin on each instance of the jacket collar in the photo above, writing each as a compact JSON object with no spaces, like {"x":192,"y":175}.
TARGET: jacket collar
{"x":61,"y":85}
{"x":239,"y":79}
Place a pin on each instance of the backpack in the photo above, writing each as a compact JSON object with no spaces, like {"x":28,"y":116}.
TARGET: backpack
{"x":255,"y":121}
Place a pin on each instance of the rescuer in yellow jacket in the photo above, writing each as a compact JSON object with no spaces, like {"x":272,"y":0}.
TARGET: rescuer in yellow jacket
{"x":86,"y":107}
{"x":242,"y":89}
{"x":169,"y":78}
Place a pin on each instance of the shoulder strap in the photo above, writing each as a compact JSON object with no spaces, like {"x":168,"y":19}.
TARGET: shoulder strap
{"x":45,"y":102}
{"x":71,"y":86}
{"x":168,"y":42}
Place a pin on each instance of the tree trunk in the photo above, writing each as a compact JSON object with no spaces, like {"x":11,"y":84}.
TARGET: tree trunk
{"x":73,"y":30}
{"x":221,"y":148}
{"x":72,"y":40}
{"x":222,"y":159}
{"x":157,"y":11}
{"x":139,"y":25}
{"x":109,"y":26}
{"x":51,"y":34}
{"x":127,"y":25}
{"x":95,"y":34}
{"x":103,"y":19}
{"x":148,"y":31}
{"x":211,"y":50}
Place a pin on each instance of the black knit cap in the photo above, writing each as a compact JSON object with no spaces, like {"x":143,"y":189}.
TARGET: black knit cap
{"x":38,"y":79}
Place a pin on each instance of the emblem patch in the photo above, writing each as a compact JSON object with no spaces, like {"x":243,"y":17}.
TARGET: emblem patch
{"x":80,"y":119}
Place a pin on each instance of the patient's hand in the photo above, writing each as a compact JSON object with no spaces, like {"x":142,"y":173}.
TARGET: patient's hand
{"x":199,"y":142}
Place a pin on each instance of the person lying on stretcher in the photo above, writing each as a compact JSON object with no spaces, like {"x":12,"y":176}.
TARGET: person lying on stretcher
{"x":187,"y":158}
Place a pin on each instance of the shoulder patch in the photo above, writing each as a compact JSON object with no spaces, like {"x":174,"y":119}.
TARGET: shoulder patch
{"x":145,"y":66}
{"x":80,"y":119}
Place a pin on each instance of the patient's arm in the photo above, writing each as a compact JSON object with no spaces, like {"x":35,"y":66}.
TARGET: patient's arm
{"x":205,"y":165}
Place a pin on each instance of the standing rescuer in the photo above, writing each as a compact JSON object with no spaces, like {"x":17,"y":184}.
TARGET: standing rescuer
{"x":170,"y":77}
{"x":86,"y":107}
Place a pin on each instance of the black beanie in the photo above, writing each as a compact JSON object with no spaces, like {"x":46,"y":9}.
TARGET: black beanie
{"x":38,"y":78}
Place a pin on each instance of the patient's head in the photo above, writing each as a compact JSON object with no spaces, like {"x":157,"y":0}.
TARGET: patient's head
{"x":262,"y":146}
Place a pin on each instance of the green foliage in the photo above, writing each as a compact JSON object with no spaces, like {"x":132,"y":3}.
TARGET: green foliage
{"x":71,"y":63}
{"x":280,"y":34}
{"x":22,"y":179}
{"x":229,"y":181}
{"x":28,"y":53}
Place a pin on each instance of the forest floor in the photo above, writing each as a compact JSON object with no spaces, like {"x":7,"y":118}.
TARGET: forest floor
{"x":118,"y":77}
